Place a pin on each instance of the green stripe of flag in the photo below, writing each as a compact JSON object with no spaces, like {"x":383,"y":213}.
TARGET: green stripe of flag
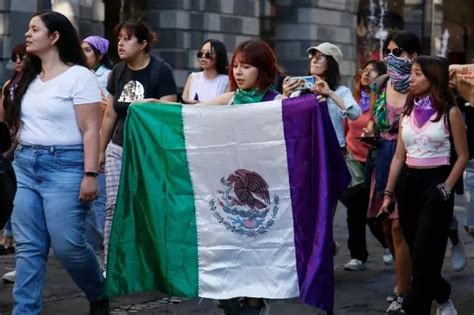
{"x":151,"y":247}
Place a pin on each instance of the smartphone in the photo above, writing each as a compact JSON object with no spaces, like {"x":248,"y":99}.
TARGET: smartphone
{"x":384,"y":215}
{"x":305,"y":82}
{"x":368,"y":139}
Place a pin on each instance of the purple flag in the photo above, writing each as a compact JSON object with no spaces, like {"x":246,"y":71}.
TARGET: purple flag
{"x":318,"y":176}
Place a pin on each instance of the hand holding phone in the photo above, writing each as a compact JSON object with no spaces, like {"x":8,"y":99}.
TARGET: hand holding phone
{"x":304,"y":82}
{"x":372,"y":140}
{"x":385,"y":212}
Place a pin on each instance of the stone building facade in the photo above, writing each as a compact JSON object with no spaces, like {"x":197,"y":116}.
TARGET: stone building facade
{"x":290,"y":26}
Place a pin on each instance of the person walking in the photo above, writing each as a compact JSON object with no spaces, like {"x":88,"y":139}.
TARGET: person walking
{"x":356,"y":198}
{"x":388,"y":102}
{"x":18,"y":57}
{"x":95,"y":50}
{"x":55,"y":114}
{"x":422,"y":178}
{"x":139,"y":76}
{"x":213,"y":80}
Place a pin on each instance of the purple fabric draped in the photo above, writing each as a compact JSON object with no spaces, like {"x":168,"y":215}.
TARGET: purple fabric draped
{"x":318,"y":176}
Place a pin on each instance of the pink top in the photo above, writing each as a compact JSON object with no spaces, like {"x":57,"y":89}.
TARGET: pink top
{"x":427,"y":145}
{"x":354,"y":128}
{"x":393,"y":116}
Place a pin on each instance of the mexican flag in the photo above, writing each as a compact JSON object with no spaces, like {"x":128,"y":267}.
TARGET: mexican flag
{"x":227,"y":201}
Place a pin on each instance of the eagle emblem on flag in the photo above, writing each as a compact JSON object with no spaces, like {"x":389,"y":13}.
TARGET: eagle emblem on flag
{"x":245,"y":205}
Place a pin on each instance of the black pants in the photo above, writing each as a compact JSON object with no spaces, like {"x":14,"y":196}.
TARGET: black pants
{"x":425,"y":219}
{"x":356,"y":200}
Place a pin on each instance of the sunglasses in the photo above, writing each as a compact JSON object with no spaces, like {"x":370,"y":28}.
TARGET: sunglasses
{"x":205,"y":55}
{"x":319,"y":58}
{"x":14,"y":58}
{"x":397,"y":52}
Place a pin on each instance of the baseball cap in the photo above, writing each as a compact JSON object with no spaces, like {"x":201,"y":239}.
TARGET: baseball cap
{"x":327,"y":49}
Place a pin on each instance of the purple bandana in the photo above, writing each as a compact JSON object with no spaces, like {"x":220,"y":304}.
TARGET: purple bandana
{"x":99,"y":43}
{"x":364,"y":102}
{"x":423,"y":110}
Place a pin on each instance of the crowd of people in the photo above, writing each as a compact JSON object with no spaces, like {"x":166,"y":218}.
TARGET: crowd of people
{"x":401,"y":131}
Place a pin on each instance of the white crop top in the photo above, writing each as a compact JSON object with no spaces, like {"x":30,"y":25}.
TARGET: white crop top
{"x":427,"y":145}
{"x":202,"y":89}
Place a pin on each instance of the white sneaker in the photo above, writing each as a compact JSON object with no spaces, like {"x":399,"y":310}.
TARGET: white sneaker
{"x":9,"y":276}
{"x":355,"y":265}
{"x":104,"y":274}
{"x":446,"y":309}
{"x":458,"y":259}
{"x":396,"y":307}
{"x":387,"y":257}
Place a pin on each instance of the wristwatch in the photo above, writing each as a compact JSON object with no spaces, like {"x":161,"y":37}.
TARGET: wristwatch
{"x":91,"y":174}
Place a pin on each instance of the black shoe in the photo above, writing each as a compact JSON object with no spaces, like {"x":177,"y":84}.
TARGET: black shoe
{"x":7,"y":251}
{"x":99,"y":307}
{"x":230,"y":306}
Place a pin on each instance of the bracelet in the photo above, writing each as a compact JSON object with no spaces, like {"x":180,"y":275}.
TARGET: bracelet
{"x":388,"y":193}
{"x":445,"y":192}
{"x":91,"y":174}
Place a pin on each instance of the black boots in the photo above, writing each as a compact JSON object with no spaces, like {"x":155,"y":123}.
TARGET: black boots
{"x":99,"y":307}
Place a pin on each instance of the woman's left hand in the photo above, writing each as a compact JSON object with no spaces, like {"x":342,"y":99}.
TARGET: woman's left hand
{"x":88,"y":190}
{"x":320,"y":98}
{"x":322,"y":87}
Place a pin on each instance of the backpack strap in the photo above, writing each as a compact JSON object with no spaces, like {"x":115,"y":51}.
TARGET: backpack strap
{"x":155,"y":72}
{"x":120,"y":69}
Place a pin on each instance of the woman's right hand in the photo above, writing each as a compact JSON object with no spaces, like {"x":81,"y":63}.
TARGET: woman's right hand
{"x":103,"y":102}
{"x":367,"y":131}
{"x":102,"y":161}
{"x":191,"y":102}
{"x":289,"y":86}
{"x":384,"y":208}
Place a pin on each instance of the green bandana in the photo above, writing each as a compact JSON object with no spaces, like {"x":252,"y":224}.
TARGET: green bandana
{"x":248,"y":96}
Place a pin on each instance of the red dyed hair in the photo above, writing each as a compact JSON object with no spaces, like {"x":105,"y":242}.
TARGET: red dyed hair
{"x":258,"y":54}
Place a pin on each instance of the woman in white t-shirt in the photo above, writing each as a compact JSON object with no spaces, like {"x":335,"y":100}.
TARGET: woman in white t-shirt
{"x":55,"y":113}
{"x":212,"y":81}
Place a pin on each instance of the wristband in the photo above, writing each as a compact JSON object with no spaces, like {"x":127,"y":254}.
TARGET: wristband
{"x":444,"y":191}
{"x":388,"y":193}
{"x":91,"y":174}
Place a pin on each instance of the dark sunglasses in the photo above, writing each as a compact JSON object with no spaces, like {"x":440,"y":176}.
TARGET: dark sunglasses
{"x":14,"y":58}
{"x":206,"y":55}
{"x":397,"y":52}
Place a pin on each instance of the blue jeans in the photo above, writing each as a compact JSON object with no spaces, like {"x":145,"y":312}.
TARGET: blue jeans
{"x":96,"y":218}
{"x":48,"y":213}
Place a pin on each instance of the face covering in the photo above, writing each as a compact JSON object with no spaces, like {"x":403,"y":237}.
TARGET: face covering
{"x":423,"y":109}
{"x":248,"y":96}
{"x":399,"y":71}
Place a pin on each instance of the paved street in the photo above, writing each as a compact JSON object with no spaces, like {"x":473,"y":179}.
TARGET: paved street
{"x":356,"y":292}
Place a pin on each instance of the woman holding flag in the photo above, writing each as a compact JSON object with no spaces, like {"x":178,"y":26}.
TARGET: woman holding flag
{"x":252,"y":71}
{"x":139,"y":76}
